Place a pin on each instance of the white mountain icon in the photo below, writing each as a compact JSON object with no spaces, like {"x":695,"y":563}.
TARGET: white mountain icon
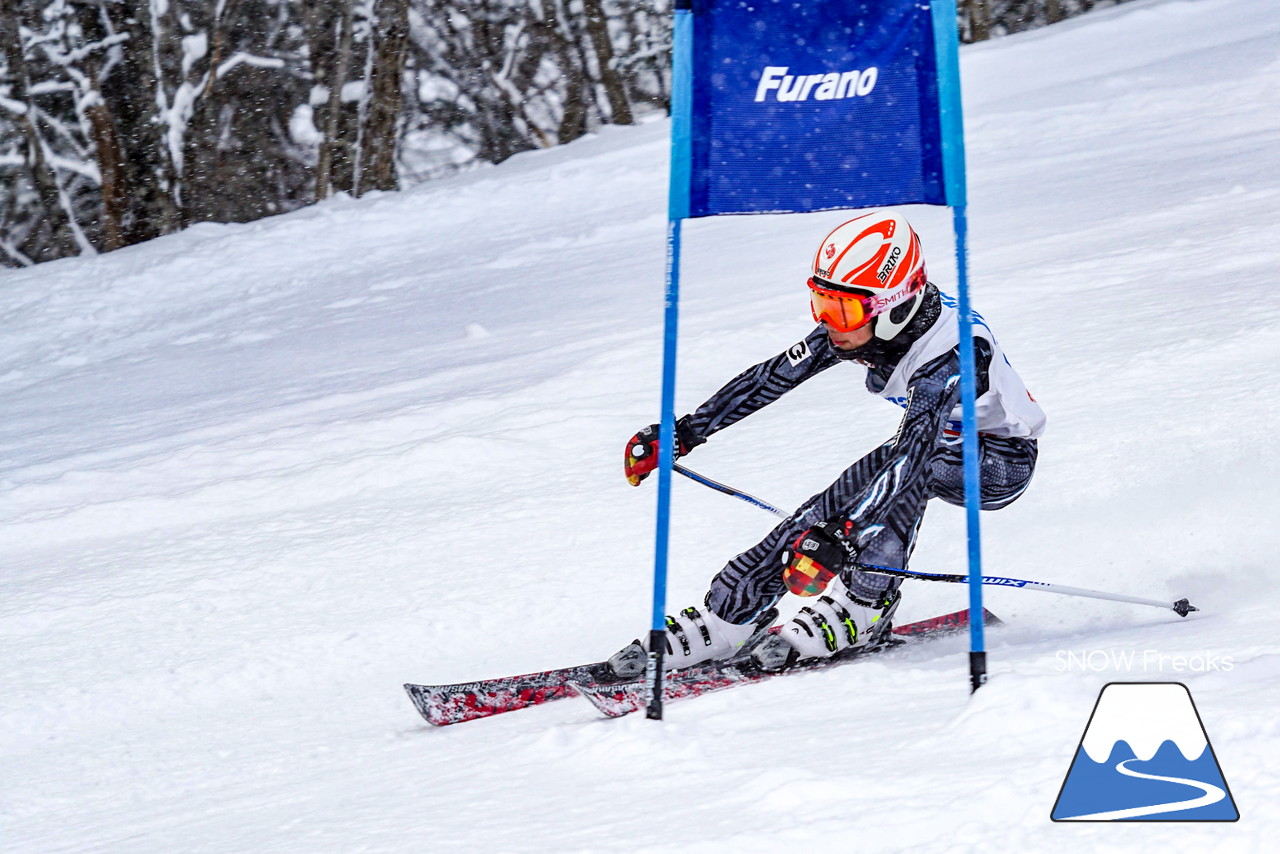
{"x":1145,"y":757}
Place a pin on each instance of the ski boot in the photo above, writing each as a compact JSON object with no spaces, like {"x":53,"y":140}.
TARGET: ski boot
{"x":693,"y":636}
{"x":835,"y":623}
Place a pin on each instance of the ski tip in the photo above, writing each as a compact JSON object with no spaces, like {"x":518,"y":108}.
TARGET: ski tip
{"x":612,"y":701}
{"x":945,"y":624}
{"x":421,"y":702}
{"x":1183,"y":607}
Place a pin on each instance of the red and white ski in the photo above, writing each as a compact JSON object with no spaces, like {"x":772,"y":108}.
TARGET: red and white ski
{"x":442,"y":705}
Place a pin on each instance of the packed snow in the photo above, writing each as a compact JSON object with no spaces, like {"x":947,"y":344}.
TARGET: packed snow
{"x":254,"y":477}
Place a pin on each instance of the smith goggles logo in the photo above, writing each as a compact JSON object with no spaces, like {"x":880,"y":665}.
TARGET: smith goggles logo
{"x":834,"y":86}
{"x":879,"y":303}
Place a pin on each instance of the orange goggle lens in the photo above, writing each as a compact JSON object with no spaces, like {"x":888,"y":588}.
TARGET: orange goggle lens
{"x":842,"y":312}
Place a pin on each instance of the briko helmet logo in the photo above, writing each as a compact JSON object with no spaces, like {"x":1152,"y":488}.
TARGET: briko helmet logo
{"x":894,"y":257}
{"x":1145,"y":756}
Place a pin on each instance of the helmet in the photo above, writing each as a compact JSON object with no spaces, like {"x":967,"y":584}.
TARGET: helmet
{"x":869,"y":268}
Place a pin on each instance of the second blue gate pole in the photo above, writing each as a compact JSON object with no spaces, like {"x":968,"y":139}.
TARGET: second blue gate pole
{"x":678,"y":210}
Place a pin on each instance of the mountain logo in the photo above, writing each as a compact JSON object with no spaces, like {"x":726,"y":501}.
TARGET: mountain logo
{"x":1145,"y":756}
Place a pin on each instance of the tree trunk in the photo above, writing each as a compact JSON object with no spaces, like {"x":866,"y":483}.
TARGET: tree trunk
{"x":331,"y":45}
{"x":573,"y":121}
{"x":106,"y":140}
{"x":382,"y":120}
{"x":115,"y":203}
{"x":614,"y":87}
{"x":130,"y":97}
{"x":61,"y":241}
{"x":979,"y":20}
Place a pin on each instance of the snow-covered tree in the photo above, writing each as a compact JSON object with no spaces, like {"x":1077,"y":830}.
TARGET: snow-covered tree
{"x":123,"y":120}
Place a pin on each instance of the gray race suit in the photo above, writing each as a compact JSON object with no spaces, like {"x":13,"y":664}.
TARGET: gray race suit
{"x":884,"y":493}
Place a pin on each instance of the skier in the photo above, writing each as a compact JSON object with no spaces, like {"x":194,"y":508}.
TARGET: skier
{"x":874,"y":306}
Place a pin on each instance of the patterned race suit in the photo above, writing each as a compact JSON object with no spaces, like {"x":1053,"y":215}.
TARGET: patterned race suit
{"x":884,"y":493}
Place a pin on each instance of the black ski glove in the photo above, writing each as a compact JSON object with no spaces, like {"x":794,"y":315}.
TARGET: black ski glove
{"x":641,"y":455}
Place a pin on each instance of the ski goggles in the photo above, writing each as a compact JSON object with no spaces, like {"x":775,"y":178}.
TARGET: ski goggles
{"x":840,"y":310}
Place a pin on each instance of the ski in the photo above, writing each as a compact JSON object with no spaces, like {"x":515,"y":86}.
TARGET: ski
{"x":441,"y":705}
{"x":621,"y":698}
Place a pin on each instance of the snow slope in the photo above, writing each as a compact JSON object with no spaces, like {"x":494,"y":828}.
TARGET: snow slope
{"x":254,"y":477}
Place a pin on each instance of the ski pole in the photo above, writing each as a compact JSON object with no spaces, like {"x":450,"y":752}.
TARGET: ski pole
{"x":1182,"y":607}
{"x":729,"y":490}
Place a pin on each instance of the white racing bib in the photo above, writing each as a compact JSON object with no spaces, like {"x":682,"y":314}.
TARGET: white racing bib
{"x":1006,"y":409}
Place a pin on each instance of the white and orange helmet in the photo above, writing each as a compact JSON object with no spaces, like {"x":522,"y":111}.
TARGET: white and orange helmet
{"x":869,"y":268}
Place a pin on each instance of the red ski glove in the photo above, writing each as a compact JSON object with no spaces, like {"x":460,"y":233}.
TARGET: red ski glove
{"x":816,"y":557}
{"x":641,"y":455}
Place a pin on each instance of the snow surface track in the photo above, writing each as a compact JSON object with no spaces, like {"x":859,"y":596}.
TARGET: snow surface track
{"x":254,"y":477}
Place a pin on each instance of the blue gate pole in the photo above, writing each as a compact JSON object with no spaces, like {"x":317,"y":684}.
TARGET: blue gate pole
{"x":678,"y":210}
{"x":947,"y":47}
{"x":969,"y":440}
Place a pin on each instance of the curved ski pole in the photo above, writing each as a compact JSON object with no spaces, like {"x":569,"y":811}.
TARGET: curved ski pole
{"x":729,"y":490}
{"x":1182,"y":607}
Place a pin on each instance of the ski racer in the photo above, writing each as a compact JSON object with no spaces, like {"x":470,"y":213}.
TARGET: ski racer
{"x":875,"y":307}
